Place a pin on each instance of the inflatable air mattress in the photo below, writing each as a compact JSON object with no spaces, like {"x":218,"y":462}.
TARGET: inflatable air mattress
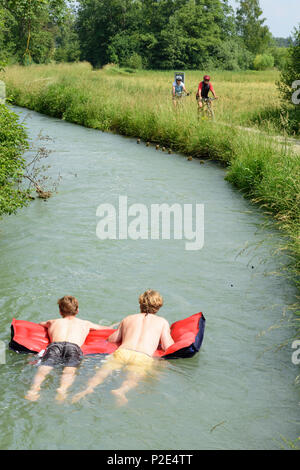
{"x":29,"y":337}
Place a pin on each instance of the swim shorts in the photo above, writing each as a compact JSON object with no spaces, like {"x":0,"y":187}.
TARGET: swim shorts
{"x":132,"y":361}
{"x":68,"y":354}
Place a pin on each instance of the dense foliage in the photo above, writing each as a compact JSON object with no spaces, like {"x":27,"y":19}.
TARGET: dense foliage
{"x":29,"y":29}
{"x":251,"y":27}
{"x":13,"y":142}
{"x":151,"y":34}
{"x":166,"y":34}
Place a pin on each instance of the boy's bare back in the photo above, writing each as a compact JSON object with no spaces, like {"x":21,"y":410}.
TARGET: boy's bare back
{"x":69,"y":329}
{"x":143,"y":333}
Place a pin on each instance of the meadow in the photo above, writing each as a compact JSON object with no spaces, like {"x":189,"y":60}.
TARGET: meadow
{"x":242,"y":95}
{"x":139,"y":104}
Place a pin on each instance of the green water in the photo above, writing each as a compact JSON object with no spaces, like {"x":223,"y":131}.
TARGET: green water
{"x":50,"y":249}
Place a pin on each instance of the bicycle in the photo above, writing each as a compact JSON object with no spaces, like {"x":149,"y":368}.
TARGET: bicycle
{"x":178,"y":98}
{"x":207,"y":108}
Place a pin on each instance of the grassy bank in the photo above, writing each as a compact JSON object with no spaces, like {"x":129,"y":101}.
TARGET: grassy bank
{"x":139,"y":105}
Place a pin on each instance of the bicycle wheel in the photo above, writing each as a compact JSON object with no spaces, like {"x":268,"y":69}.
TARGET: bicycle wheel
{"x":202,"y":114}
{"x":210,"y":112}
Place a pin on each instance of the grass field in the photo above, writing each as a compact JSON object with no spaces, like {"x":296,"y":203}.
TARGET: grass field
{"x":139,"y":105}
{"x":242,"y":95}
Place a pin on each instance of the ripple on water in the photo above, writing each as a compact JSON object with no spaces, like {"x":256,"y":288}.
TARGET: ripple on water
{"x":236,"y":393}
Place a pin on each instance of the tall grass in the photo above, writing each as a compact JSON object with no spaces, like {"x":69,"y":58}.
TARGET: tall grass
{"x":140,"y":105}
{"x":242,"y":95}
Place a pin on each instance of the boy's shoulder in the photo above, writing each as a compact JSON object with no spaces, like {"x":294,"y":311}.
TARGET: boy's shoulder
{"x":52,"y":320}
{"x":81,"y":320}
{"x":131,"y":316}
{"x":162,"y":319}
{"x":62,"y":319}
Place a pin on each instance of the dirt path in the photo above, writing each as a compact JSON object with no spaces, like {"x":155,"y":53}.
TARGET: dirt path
{"x":294,"y":143}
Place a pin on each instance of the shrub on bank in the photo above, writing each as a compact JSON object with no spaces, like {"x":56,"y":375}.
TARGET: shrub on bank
{"x":13,"y":143}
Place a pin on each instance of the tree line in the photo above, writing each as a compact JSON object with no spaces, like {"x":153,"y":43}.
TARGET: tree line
{"x":151,"y":34}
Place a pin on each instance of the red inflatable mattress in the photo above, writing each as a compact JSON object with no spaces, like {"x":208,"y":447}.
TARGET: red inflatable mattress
{"x":29,"y":337}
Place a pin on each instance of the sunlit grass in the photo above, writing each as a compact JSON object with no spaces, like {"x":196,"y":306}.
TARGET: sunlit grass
{"x":240,"y":93}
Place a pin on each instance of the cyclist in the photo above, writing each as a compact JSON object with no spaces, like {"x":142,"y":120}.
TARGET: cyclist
{"x":178,"y":89}
{"x":203,"y":89}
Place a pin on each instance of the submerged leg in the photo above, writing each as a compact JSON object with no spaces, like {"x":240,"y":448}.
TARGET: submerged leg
{"x":98,"y":378}
{"x":67,"y":379}
{"x":33,"y":392}
{"x":132,"y":381}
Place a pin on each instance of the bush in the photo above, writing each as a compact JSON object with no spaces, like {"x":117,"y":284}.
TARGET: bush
{"x":263,"y":62}
{"x":13,"y":143}
{"x":280,"y":55}
{"x":124,"y":50}
{"x":232,"y":55}
{"x":134,"y":62}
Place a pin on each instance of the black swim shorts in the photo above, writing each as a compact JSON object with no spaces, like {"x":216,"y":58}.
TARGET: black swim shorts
{"x":68,"y":354}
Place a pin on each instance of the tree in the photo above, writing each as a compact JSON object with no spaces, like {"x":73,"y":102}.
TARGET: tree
{"x":191,"y":36}
{"x":67,"y":46}
{"x":163,"y":33}
{"x":33,"y":27}
{"x":280,"y":55}
{"x":232,"y":55}
{"x":99,"y":21}
{"x":251,"y":28}
{"x":7,"y":39}
{"x":125,"y":49}
{"x":283,"y":42}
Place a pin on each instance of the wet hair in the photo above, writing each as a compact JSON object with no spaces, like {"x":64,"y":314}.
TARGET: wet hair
{"x":150,"y":301}
{"x":68,"y":306}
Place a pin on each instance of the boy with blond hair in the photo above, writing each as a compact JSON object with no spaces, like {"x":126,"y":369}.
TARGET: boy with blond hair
{"x":67,"y":335}
{"x":140,"y":335}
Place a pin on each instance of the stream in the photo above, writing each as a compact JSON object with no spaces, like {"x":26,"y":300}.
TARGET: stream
{"x":238,"y":392}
